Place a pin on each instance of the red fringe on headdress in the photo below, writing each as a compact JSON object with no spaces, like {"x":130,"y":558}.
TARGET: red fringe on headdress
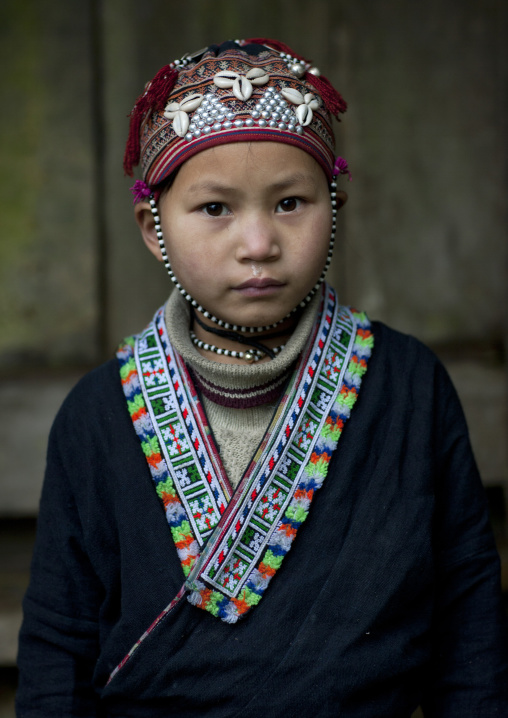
{"x":334,"y":102}
{"x":154,"y":97}
{"x":275,"y":45}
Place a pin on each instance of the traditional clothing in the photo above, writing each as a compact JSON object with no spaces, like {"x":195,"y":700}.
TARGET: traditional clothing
{"x":389,"y":596}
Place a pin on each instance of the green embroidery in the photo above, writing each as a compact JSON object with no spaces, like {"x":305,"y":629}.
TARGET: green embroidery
{"x":127,"y":368}
{"x":150,"y":446}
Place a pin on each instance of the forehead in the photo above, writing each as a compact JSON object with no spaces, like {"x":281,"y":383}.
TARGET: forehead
{"x":250,"y":162}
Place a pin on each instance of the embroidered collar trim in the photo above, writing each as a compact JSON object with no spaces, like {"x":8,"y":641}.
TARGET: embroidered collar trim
{"x":231,"y":544}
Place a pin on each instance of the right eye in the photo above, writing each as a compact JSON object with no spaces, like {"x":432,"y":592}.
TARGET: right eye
{"x":215,"y":209}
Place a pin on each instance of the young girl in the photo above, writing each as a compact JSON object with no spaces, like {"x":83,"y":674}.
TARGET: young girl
{"x":265,"y":506}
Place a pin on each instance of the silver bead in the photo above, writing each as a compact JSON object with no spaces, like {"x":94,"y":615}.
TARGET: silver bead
{"x":276,"y":115}
{"x":291,"y":127}
{"x":256,"y":115}
{"x":238,"y":123}
{"x":200,"y":124}
{"x":265,"y":114}
{"x":230,"y":115}
{"x":217,"y":126}
{"x":282,"y":125}
{"x":272,"y":123}
{"x":197,"y":133}
{"x":299,"y":130}
{"x":262,"y":123}
{"x":207,"y":130}
{"x":249,"y":122}
{"x":228,"y":125}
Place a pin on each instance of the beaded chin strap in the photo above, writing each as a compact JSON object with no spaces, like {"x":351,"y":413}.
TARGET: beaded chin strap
{"x":340,"y":167}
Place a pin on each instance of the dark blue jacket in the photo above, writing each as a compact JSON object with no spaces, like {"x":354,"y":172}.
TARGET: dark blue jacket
{"x":389,"y":597}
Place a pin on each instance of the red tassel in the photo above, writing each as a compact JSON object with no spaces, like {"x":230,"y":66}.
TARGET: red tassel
{"x":275,"y":45}
{"x":154,"y":97}
{"x":334,"y":102}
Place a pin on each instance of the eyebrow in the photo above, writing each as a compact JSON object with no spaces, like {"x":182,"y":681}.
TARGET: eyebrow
{"x":213,"y":186}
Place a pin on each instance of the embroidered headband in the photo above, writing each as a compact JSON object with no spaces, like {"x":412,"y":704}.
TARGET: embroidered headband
{"x":243,"y":91}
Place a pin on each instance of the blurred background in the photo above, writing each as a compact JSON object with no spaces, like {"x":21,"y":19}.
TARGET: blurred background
{"x":422,"y":242}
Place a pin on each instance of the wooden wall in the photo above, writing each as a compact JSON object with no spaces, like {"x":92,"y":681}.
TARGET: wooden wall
{"x":423,"y":237}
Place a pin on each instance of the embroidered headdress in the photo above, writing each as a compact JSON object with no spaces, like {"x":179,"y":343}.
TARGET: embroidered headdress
{"x":242,"y":91}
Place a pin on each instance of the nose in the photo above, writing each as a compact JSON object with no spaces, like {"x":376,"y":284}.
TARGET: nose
{"x":258,"y":239}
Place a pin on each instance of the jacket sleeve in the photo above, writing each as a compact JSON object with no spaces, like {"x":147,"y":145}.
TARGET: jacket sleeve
{"x":469,"y":673}
{"x":58,"y":644}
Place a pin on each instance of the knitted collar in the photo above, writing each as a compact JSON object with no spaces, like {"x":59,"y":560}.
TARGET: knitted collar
{"x":231,"y":545}
{"x":232,"y":385}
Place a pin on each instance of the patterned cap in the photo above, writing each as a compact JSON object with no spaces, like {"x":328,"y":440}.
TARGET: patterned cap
{"x":243,"y":91}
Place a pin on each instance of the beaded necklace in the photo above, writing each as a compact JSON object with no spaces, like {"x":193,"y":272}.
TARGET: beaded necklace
{"x":250,"y":355}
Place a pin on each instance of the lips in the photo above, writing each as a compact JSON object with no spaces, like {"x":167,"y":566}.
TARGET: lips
{"x":260,"y":283}
{"x":259,"y":288}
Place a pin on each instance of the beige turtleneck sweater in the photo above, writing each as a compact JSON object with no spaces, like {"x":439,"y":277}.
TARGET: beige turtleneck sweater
{"x":237,"y":432}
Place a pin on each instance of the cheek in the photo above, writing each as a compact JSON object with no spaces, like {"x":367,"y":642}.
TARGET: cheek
{"x":316,"y":241}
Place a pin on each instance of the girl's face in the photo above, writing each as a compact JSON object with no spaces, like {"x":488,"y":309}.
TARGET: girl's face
{"x":247,"y":228}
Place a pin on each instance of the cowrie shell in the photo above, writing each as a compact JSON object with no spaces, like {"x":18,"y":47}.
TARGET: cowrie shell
{"x":225,"y":78}
{"x":242,"y":88}
{"x":191,"y":103}
{"x":311,"y":101}
{"x":181,"y":123}
{"x":304,"y":114}
{"x":257,"y":76}
{"x":171,"y":109}
{"x":291,"y":95}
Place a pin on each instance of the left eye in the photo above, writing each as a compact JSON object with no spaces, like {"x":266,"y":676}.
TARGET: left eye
{"x":289,"y":204}
{"x":215,"y":209}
